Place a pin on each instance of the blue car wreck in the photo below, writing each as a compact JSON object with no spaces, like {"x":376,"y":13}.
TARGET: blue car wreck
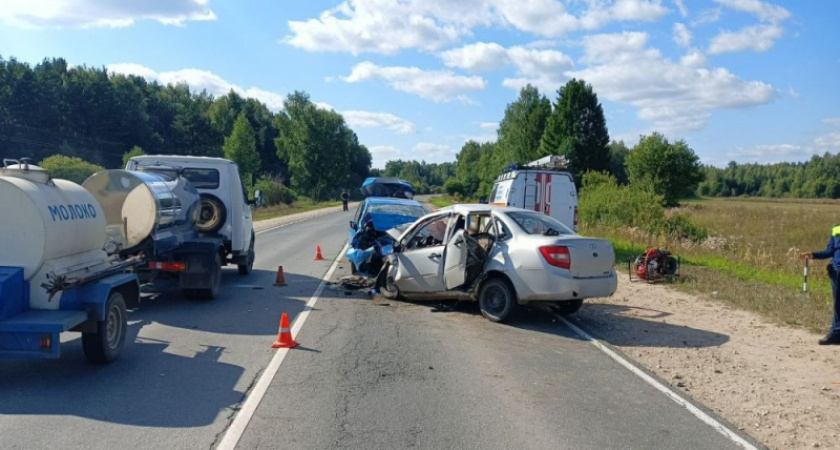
{"x":369,"y":240}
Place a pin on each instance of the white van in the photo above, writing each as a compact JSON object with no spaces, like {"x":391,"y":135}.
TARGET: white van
{"x":543,"y":185}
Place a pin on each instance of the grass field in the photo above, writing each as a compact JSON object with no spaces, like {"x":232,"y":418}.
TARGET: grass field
{"x":750,"y":257}
{"x":296,"y":207}
{"x":441,"y":202}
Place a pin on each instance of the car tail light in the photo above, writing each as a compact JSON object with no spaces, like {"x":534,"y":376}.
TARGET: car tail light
{"x":576,"y":216}
{"x":557,"y":256}
{"x":169,"y":266}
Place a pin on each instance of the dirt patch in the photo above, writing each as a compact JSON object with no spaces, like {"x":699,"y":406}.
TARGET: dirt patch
{"x":770,"y":380}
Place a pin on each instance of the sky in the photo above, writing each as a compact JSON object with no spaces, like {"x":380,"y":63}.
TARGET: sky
{"x":742,"y":80}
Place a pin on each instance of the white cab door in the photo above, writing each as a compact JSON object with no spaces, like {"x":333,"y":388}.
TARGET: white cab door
{"x":455,"y":261}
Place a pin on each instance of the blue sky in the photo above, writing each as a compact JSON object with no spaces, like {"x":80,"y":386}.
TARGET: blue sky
{"x":742,"y":80}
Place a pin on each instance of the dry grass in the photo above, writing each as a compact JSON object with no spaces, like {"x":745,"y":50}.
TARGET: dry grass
{"x":750,"y":257}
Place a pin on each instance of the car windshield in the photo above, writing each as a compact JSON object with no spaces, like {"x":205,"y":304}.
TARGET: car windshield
{"x":536,"y":223}
{"x":399,"y":210}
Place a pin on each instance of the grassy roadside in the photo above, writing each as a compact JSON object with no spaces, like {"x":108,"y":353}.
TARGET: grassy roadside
{"x":296,"y":207}
{"x":442,"y":202}
{"x":749,"y":260}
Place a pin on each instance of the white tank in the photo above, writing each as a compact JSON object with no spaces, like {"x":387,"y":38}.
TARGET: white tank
{"x":45,"y":220}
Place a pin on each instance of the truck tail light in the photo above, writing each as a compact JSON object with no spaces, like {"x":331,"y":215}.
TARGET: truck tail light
{"x":168,"y":266}
{"x":576,"y":216}
{"x":46,"y":342}
{"x":557,"y":256}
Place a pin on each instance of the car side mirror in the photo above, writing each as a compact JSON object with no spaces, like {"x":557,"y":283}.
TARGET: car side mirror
{"x":353,"y":224}
{"x":257,"y":198}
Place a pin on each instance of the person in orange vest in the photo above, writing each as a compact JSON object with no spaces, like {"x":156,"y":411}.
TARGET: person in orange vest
{"x":832,"y":251}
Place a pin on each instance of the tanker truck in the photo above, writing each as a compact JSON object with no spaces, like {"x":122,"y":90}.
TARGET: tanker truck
{"x":183,"y":216}
{"x":57,"y":270}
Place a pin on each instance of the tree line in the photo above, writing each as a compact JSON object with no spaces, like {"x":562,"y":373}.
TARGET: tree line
{"x":574,"y":126}
{"x":97,"y":117}
{"x":817,"y":178}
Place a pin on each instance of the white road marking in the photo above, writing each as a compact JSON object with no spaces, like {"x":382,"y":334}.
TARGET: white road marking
{"x":243,"y":417}
{"x":697,"y":412}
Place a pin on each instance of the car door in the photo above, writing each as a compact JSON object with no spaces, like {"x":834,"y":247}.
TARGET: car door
{"x":421,"y":255}
{"x":354,"y":224}
{"x":455,"y":261}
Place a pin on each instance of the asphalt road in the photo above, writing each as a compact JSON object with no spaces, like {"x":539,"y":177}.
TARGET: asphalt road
{"x":371,"y":374}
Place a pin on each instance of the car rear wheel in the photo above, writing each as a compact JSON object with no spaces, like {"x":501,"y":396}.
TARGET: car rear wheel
{"x":497,"y":300}
{"x":567,"y":307}
{"x":248,"y":267}
{"x":106,"y":343}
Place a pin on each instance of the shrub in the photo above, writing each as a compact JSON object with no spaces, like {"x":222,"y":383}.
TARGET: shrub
{"x":135,"y":151}
{"x":70,"y":168}
{"x":274,"y":192}
{"x":454,"y":187}
{"x":680,"y":226}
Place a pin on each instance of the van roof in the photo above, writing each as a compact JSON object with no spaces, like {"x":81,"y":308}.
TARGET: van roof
{"x":181,"y":158}
{"x":513,"y":173}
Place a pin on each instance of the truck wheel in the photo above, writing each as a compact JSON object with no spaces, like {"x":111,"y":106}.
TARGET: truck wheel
{"x":567,"y":307}
{"x":211,"y":215}
{"x":214,"y":281}
{"x":105,"y":345}
{"x":247,"y":268}
{"x":496,"y":300}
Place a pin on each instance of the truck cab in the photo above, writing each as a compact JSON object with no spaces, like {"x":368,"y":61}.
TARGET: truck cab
{"x":544,"y":185}
{"x":225,"y":208}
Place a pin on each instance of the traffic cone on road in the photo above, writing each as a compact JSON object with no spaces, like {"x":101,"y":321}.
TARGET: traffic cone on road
{"x":318,"y":256}
{"x":284,"y":335}
{"x":281,"y":279}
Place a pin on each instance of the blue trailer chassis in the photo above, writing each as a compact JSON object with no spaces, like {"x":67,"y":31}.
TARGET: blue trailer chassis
{"x":33,"y":333}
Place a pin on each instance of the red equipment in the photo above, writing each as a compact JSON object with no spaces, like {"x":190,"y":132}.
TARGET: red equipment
{"x":654,"y":264}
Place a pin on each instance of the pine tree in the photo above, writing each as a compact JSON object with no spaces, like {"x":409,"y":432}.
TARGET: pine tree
{"x":577,"y":129}
{"x":241,"y":148}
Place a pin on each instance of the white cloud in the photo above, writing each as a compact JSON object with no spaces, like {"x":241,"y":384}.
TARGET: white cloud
{"x":682,"y":35}
{"x":323,"y":105}
{"x":706,"y":17}
{"x":544,"y":69}
{"x":199,"y":80}
{"x":793,"y":92}
{"x":830,"y":140}
{"x":693,"y":58}
{"x":489,"y":125}
{"x":423,"y":151}
{"x":675,"y":97}
{"x":436,"y":85}
{"x":758,"y":38}
{"x":381,"y":154}
{"x":477,"y":57}
{"x":388,"y":26}
{"x":764,"y":11}
{"x":681,"y":7}
{"x":768,"y":154}
{"x":835,"y":121}
{"x":367,"y":119}
{"x":101,"y":13}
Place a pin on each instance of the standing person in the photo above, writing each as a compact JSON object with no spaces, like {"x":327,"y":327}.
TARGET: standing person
{"x":345,"y":199}
{"x":831,"y":251}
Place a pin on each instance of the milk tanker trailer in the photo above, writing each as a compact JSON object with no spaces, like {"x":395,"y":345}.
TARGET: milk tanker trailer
{"x":57,"y":271}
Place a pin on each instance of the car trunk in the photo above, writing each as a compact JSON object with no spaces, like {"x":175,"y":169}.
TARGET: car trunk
{"x":591,"y":258}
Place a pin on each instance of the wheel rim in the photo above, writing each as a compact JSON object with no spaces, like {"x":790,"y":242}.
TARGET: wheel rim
{"x":495,"y":300}
{"x":113,"y":328}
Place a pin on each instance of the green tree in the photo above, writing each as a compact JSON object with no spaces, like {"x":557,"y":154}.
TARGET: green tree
{"x":673,"y":170}
{"x":70,"y":168}
{"x":577,"y":129}
{"x":241,"y":148}
{"x":618,"y":153}
{"x":135,"y":151}
{"x":522,"y":127}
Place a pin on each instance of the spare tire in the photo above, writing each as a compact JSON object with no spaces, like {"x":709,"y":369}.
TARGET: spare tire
{"x":212,"y":214}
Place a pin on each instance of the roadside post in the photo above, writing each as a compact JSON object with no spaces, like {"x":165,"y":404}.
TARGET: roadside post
{"x":805,"y":273}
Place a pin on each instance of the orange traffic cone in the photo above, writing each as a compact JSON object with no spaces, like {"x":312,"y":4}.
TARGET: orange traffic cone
{"x":281,"y":279}
{"x":318,"y":256}
{"x":284,"y":336}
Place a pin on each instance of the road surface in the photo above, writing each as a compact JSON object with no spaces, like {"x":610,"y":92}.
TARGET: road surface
{"x":370,"y":374}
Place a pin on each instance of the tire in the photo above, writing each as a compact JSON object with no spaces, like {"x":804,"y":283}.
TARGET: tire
{"x":497,"y":300}
{"x":387,"y":286}
{"x":106,"y":343}
{"x":208,"y":293}
{"x":247,"y":268}
{"x":568,"y":307}
{"x":212,"y":214}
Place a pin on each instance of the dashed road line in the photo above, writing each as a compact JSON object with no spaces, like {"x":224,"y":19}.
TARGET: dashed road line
{"x":693,"y":409}
{"x":249,"y":407}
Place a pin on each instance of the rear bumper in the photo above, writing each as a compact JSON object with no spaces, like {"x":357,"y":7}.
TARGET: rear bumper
{"x":554,"y":285}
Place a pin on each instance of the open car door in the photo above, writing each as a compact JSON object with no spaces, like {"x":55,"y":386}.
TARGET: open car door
{"x":455,"y":261}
